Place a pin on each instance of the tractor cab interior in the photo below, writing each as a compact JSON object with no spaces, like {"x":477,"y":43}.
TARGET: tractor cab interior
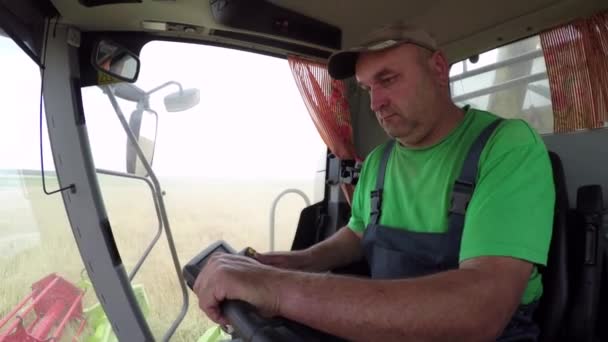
{"x":542,"y":61}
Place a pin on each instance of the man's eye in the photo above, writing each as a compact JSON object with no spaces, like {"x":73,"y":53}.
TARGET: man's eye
{"x":388,"y":80}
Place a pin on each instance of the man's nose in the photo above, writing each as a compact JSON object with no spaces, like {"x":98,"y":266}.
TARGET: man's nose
{"x":378,"y":99}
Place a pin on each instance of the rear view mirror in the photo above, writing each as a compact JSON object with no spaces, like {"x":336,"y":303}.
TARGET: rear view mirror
{"x":182,"y":100}
{"x":144,"y":125}
{"x":115,"y":61}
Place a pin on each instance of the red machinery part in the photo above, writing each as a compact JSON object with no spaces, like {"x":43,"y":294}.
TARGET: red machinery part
{"x":55,"y":302}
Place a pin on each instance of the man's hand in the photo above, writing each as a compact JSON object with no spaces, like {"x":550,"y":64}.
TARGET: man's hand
{"x":228,"y":276}
{"x":296,"y":260}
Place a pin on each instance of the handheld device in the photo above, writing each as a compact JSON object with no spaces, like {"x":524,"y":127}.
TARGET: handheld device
{"x":194,"y":266}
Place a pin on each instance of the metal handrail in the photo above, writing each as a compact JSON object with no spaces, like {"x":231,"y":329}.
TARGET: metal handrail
{"x":274,"y":208}
{"x":501,"y":86}
{"x":523,"y":57}
{"x":158,"y":217}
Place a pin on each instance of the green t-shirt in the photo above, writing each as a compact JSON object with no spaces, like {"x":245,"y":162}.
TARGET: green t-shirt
{"x":511,"y":211}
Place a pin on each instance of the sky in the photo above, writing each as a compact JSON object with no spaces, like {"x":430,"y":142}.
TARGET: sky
{"x":251,"y":122}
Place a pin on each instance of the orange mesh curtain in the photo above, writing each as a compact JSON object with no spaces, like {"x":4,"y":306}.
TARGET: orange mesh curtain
{"x":577,"y":65}
{"x":326,"y":102}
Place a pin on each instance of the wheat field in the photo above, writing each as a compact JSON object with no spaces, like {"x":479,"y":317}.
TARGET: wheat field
{"x":36,"y":238}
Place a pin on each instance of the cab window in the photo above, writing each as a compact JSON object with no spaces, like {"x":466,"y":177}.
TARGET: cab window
{"x":221,"y":163}
{"x":510,"y":81}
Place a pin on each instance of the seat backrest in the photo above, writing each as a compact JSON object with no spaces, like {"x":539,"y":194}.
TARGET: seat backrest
{"x":554,"y":301}
{"x":587,"y":246}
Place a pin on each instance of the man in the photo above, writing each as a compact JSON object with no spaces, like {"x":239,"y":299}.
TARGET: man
{"x":435,"y":275}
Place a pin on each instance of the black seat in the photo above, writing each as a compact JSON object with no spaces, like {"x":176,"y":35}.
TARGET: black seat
{"x":554,"y":301}
{"x":587,"y":250}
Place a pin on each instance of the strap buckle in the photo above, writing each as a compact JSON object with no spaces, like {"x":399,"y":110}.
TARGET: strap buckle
{"x":350,"y":171}
{"x":376,"y":202}
{"x":461,"y":196}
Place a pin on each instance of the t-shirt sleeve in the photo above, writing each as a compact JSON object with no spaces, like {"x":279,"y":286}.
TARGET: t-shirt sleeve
{"x":511,"y":212}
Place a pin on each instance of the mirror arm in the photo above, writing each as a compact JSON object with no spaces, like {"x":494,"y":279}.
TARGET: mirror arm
{"x":144,"y":104}
{"x":165,"y":85}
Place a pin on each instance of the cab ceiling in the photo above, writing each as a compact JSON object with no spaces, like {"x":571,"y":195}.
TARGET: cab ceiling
{"x":462,"y":27}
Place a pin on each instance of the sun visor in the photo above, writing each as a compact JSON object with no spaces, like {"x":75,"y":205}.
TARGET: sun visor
{"x":263,"y":17}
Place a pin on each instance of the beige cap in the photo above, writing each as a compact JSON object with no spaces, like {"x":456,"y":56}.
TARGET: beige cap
{"x":342,"y":63}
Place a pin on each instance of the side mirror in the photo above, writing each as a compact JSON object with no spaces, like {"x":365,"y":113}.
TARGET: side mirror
{"x":144,"y":121}
{"x":115,"y":61}
{"x":144,"y":125}
{"x":182,"y":100}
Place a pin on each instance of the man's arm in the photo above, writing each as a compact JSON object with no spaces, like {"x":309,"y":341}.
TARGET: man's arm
{"x":472,"y":303}
{"x":342,"y":248}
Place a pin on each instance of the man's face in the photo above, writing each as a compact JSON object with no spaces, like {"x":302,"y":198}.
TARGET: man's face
{"x":404,"y":87}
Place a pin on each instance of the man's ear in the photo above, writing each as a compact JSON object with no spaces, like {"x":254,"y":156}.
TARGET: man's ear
{"x":440,"y":68}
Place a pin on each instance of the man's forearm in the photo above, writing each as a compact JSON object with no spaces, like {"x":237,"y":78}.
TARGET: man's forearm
{"x":340,"y":249}
{"x":447,"y":306}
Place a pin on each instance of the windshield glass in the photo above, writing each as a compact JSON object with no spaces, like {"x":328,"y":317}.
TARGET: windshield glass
{"x":221,"y":164}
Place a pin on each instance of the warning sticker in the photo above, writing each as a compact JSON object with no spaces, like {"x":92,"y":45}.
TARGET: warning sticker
{"x":103,"y":79}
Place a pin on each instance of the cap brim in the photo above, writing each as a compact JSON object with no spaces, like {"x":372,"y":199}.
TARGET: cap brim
{"x":342,"y":64}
